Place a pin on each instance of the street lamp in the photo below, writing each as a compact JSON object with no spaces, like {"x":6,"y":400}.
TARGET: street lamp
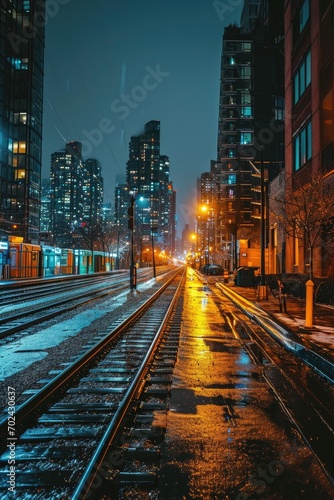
{"x":154,"y":230}
{"x":141,"y":199}
{"x":208,"y":212}
{"x":133,"y":270}
{"x":204,"y":210}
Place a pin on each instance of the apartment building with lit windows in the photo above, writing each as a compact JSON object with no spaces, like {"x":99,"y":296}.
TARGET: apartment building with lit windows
{"x":250,"y":129}
{"x":148,"y":180}
{"x":233,"y":173}
{"x":21,"y":112}
{"x":76,"y":193}
{"x":309,"y":98}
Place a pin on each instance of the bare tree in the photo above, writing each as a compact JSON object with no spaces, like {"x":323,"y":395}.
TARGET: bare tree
{"x":91,"y":238}
{"x":307,"y":213}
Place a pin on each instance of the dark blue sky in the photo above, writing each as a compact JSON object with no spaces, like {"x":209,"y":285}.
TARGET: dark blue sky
{"x":164,"y":55}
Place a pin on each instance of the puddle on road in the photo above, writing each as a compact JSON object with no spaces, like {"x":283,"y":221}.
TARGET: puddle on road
{"x":226,"y":436}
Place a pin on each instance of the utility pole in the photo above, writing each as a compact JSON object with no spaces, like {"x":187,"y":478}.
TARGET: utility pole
{"x":262,"y":288}
{"x":153,"y":230}
{"x":131,"y":226}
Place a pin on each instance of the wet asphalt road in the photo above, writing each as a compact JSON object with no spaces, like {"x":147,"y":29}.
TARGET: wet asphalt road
{"x":227,"y":436}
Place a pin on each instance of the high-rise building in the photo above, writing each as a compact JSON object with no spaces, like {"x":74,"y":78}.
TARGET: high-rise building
{"x":45,"y":225}
{"x":206,"y":211}
{"x":148,"y":181}
{"x":249,"y":14}
{"x":108,"y":216}
{"x":309,"y":130}
{"x":21,"y":111}
{"x":67,"y":193}
{"x":172,"y":220}
{"x":234,"y":211}
{"x":121,"y":203}
{"x":76,"y":193}
{"x":251,"y":130}
{"x":93,"y":192}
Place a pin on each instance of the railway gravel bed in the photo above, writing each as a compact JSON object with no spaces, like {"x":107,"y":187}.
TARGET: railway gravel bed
{"x":105,"y":372}
{"x":113,"y":310}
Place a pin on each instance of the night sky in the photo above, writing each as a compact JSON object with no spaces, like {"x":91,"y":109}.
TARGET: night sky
{"x":164,"y":55}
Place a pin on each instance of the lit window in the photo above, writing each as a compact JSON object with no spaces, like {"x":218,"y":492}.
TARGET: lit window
{"x":22,"y":147}
{"x":302,"y":78}
{"x":304,"y":15}
{"x":246,"y":111}
{"x":246,"y":71}
{"x":279,"y":108}
{"x":20,"y":118}
{"x":20,"y":174}
{"x":303,"y":147}
{"x":18,"y":63}
{"x":246,"y":98}
{"x":231,"y":179}
{"x":246,"y":138}
{"x":246,"y":46}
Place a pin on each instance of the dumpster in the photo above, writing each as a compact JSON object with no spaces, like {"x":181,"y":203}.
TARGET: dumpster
{"x":246,"y":276}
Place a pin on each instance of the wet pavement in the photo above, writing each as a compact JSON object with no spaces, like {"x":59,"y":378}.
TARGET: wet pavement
{"x":227,"y":437}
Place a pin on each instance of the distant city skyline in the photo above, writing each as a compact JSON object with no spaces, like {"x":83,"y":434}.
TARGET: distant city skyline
{"x":133,"y":65}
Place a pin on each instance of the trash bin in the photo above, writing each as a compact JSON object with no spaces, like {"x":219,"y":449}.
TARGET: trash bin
{"x":246,"y":277}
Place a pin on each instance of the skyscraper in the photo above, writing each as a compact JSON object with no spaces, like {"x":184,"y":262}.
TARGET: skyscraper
{"x":121,"y":203}
{"x":21,"y":111}
{"x":250,"y":130}
{"x":148,"y":181}
{"x":93,"y":192}
{"x":234,"y":212}
{"x":76,"y":193}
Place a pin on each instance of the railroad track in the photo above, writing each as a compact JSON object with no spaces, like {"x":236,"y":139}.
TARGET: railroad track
{"x":59,"y":300}
{"x":305,"y":394}
{"x":75,"y":416}
{"x":43,"y":288}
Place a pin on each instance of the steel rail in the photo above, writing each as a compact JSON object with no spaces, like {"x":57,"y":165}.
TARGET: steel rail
{"x":281,"y":333}
{"x":84,"y":487}
{"x":31,"y":409}
{"x":76,"y":302}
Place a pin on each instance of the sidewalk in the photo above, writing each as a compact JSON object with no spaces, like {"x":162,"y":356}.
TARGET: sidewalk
{"x":322,"y":332}
{"x":227,"y":436}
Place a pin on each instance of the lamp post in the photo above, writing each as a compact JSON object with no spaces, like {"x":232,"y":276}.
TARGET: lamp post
{"x":194,"y":237}
{"x":204,"y":210}
{"x":154,"y":229}
{"x":141,"y":199}
{"x":133,"y":270}
{"x":263,"y":226}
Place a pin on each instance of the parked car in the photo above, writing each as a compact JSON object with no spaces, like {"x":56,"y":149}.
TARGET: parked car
{"x":212,"y":270}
